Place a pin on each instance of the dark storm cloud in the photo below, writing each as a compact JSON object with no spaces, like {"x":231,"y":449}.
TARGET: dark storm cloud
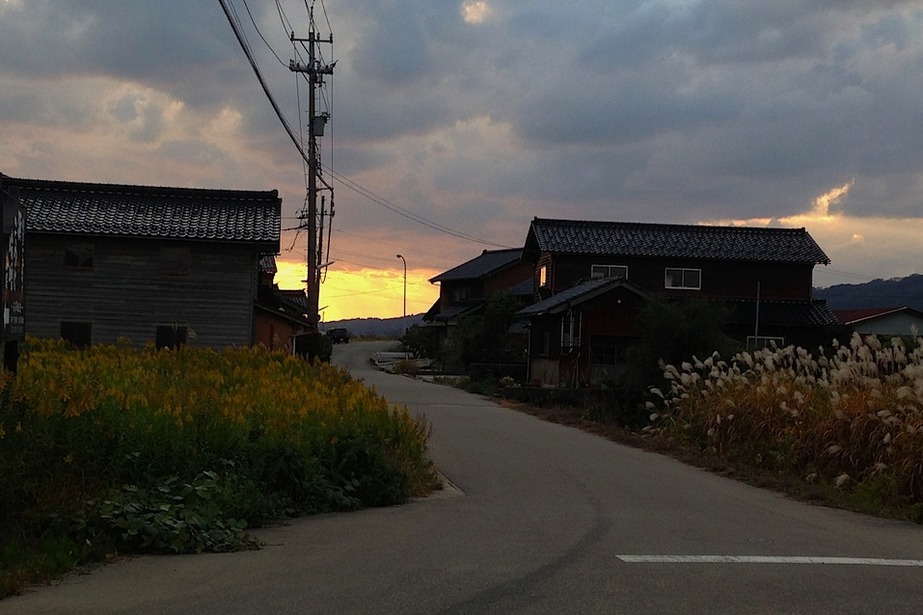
{"x":663,"y":110}
{"x":143,"y":40}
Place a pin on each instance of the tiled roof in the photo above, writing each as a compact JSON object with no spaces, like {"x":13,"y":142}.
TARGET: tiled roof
{"x":146,"y":211}
{"x":523,"y":289}
{"x":488,"y":262}
{"x":296,"y":297}
{"x":268,"y":264}
{"x":576,"y":295}
{"x":848,"y":317}
{"x":784,"y":313}
{"x":460,"y":309}
{"x":674,"y":241}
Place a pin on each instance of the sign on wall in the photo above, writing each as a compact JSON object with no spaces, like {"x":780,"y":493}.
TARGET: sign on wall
{"x":14,"y":229}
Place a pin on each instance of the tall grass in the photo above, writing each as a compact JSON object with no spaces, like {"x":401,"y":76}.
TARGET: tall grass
{"x":852,"y":420}
{"x":117,"y":449}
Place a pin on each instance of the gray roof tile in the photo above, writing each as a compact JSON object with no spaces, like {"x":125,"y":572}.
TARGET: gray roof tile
{"x":674,"y":241}
{"x":783,"y":313}
{"x":488,"y":262}
{"x":147,"y":211}
{"x":576,"y":295}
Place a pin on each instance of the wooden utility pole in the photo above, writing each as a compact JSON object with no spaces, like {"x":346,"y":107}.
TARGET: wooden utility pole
{"x":316,"y":122}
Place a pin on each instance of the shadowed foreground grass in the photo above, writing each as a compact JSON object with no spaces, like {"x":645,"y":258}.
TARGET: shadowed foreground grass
{"x":115,"y":450}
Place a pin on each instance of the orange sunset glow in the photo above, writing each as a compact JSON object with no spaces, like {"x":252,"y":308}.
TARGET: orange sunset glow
{"x":364,"y":293}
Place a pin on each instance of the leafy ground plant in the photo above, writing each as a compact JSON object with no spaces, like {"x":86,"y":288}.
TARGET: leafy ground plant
{"x":115,"y":450}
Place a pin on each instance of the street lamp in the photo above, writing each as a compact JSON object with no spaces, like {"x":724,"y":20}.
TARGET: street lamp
{"x":405,"y":283}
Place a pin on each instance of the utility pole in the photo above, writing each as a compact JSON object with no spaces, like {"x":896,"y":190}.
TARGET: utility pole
{"x":315,"y":71}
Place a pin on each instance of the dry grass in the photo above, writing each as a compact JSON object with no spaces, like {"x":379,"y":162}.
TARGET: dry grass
{"x":851,"y":421}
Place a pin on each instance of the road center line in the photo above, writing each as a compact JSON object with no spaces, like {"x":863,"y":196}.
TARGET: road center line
{"x":767,"y":559}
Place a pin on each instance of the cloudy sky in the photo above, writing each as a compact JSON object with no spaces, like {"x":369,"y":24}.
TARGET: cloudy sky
{"x":478,"y":115}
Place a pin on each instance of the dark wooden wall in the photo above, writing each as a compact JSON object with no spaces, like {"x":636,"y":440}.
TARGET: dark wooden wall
{"x":128,"y":293}
{"x":720,"y":279}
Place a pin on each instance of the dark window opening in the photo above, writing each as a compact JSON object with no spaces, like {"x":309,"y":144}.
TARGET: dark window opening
{"x":608,"y":271}
{"x":76,"y":333}
{"x":605,"y":350}
{"x":78,"y":256}
{"x":170,"y":336}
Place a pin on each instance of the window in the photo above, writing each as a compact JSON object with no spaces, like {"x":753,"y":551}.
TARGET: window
{"x":543,"y":276}
{"x":170,"y":336}
{"x":460,"y":293}
{"x":604,"y":350}
{"x":76,"y":333}
{"x":686,"y":279}
{"x":758,"y":342}
{"x":608,"y":271}
{"x":570,"y":329}
{"x":174,"y":261}
{"x":78,"y":256}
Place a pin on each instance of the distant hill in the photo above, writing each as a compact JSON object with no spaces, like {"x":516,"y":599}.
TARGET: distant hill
{"x":376,"y":327}
{"x":896,"y":292}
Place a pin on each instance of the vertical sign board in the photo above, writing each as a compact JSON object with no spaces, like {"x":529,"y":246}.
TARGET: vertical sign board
{"x":13,"y":242}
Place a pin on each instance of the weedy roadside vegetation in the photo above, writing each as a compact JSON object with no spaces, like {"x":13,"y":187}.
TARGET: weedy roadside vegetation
{"x":850,"y":424}
{"x":113,"y":450}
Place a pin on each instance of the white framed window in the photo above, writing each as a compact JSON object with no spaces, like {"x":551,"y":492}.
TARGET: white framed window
{"x":683,"y":279}
{"x":608,"y":271}
{"x":543,"y":276}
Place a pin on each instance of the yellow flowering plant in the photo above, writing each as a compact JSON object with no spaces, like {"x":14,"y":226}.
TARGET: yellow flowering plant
{"x":268,"y":434}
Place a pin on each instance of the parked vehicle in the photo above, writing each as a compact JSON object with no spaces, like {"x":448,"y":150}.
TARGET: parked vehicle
{"x":338,"y":335}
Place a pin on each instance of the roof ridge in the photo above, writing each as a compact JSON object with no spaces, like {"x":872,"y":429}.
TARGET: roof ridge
{"x":672,"y":225}
{"x":147,"y":190}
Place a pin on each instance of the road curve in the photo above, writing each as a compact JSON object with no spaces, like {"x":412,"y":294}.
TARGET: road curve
{"x":545,"y":519}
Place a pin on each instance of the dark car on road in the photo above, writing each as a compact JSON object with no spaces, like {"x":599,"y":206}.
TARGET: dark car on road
{"x":338,"y":335}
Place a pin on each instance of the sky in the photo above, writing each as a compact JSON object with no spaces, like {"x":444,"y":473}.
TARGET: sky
{"x":478,"y":115}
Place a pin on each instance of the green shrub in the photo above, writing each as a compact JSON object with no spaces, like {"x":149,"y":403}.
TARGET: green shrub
{"x":125,"y":450}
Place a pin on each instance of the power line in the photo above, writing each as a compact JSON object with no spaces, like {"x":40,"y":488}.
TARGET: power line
{"x":257,"y":28}
{"x":234,"y":21}
{"x":401,"y":211}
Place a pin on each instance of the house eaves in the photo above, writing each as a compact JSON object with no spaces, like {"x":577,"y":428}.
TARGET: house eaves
{"x":634,"y":239}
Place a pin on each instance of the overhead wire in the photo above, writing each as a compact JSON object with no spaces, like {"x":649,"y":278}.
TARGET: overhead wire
{"x":401,"y":211}
{"x":231,"y":13}
{"x":263,"y":38}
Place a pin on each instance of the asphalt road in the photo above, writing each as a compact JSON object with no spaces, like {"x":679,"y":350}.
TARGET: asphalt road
{"x":545,"y":519}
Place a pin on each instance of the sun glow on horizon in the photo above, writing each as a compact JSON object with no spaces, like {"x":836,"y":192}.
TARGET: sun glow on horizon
{"x":364,"y":293}
{"x":852,"y":242}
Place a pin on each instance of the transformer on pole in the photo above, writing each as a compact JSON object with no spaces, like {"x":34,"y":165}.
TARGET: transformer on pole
{"x":315,"y":70}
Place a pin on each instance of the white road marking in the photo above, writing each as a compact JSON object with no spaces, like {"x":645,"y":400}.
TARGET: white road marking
{"x":767,"y":559}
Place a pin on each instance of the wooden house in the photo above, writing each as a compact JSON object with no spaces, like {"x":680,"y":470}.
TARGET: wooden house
{"x":280,"y":315}
{"x":152,"y":264}
{"x":465,"y":289}
{"x":591,"y":278}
